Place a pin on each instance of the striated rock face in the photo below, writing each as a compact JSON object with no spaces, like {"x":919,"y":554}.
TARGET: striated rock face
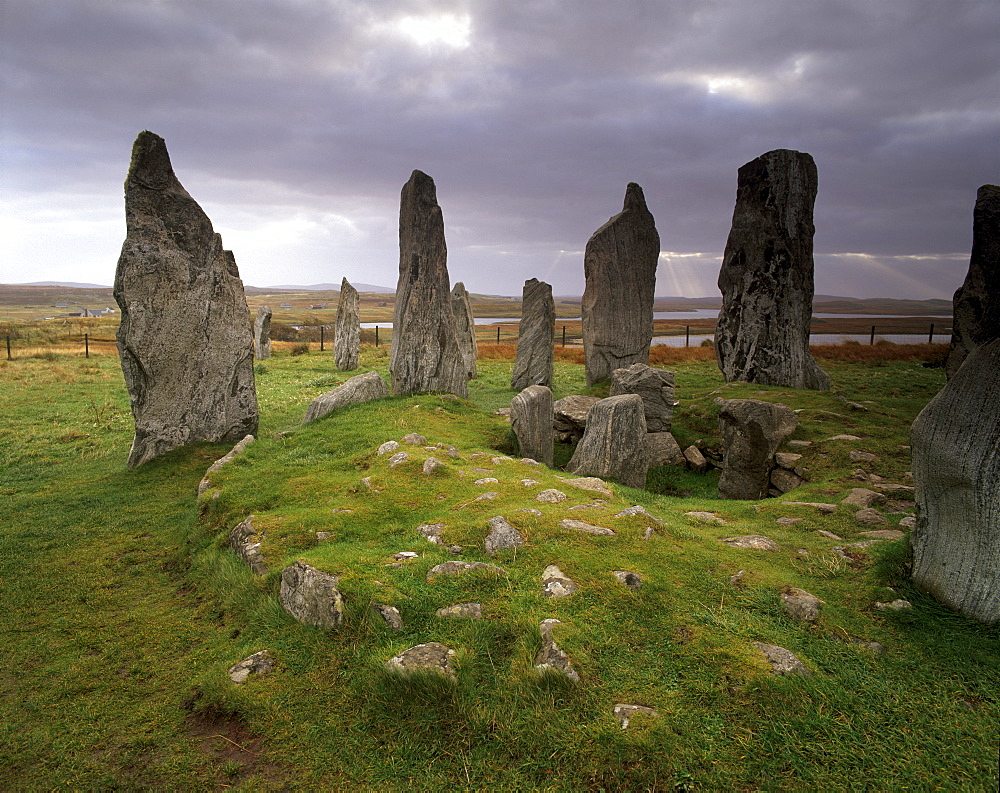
{"x":360,"y":388}
{"x":956,"y":471}
{"x":620,"y":268}
{"x":347,"y":331}
{"x":751,"y":431}
{"x":425,"y":352}
{"x":655,"y":386}
{"x":184,"y":339}
{"x":614,"y":443}
{"x":569,"y":416}
{"x":767,"y":276}
{"x":311,"y":596}
{"x":977,"y":302}
{"x":465,"y":327}
{"x":534,"y":361}
{"x":531,"y":420}
{"x":262,"y":333}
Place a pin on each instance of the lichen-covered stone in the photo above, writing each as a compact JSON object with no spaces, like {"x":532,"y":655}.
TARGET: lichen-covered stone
{"x":551,"y":656}
{"x":531,"y":421}
{"x":360,"y":388}
{"x":556,"y":584}
{"x":614,"y":443}
{"x":184,"y":339}
{"x":534,"y":362}
{"x":751,"y":433}
{"x":347,"y":330}
{"x":620,"y":270}
{"x":465,"y":327}
{"x":246,"y":543}
{"x":766,"y":280}
{"x":311,"y":596}
{"x":262,"y":333}
{"x":782,"y":661}
{"x":502,"y":536}
{"x":430,"y":657}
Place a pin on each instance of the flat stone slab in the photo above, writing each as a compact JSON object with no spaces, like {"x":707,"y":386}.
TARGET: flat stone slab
{"x":556,"y":584}
{"x":825,"y":508}
{"x":870,"y":517}
{"x":579,"y":525}
{"x":591,"y":484}
{"x":257,"y":664}
{"x":788,"y":521}
{"x":455,"y":567}
{"x":551,"y":496}
{"x":487,"y":480}
{"x":783,"y":662}
{"x":637,"y":509}
{"x":863,"y":498}
{"x":398,"y":459}
{"x":828,"y":534}
{"x":844,"y":437}
{"x":883,"y":534}
{"x":624,"y":713}
{"x":464,"y":611}
{"x":708,"y":517}
{"x":430,"y":657}
{"x":755,"y":542}
{"x":502,"y":536}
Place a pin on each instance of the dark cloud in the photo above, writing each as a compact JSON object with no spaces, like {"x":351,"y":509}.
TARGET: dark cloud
{"x":296,"y":122}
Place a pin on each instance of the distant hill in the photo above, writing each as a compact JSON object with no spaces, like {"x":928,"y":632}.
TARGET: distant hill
{"x":323,"y":288}
{"x":67,"y":284}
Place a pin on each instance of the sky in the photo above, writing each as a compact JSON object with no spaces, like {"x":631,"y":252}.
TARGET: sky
{"x":295,"y":123}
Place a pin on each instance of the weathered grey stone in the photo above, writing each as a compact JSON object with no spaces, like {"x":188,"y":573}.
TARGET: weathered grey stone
{"x":624,"y":713}
{"x":454,"y":567}
{"x":414,"y":439}
{"x":502,"y":536}
{"x":398,"y":459}
{"x":800,"y":605}
{"x":908,"y":522}
{"x":637,"y":509}
{"x":556,"y":584}
{"x":956,"y":470}
{"x":788,"y":521}
{"x":587,"y":528}
{"x":784,"y":480}
{"x":570,"y":416}
{"x":257,"y":664}
{"x":896,"y":605}
{"x":620,"y":270}
{"x":883,"y":534}
{"x":311,"y":596}
{"x":751,"y":433}
{"x":551,"y":496}
{"x":696,"y":459}
{"x":782,"y":661}
{"x":828,"y":534}
{"x":531,"y":421}
{"x":461,"y":611}
{"x":246,"y":543}
{"x":870,"y":517}
{"x":550,"y":656}
{"x":487,"y":480}
{"x":432,"y":531}
{"x":591,"y":484}
{"x":857,"y":456}
{"x":631,"y":580}
{"x":262,"y":333}
{"x":388,"y":446}
{"x":662,"y":449}
{"x":206,"y":483}
{"x":465,"y":328}
{"x":976,"y":313}
{"x":184,"y":339}
{"x":390,"y":615}
{"x":826,"y":509}
{"x":708,"y":517}
{"x":430,"y":657}
{"x":799,"y":444}
{"x":488,"y":496}
{"x":862,"y":498}
{"x":431,"y":464}
{"x":614,"y":443}
{"x":347,"y":330}
{"x":766,"y":280}
{"x":360,"y":388}
{"x":655,"y":386}
{"x":755,"y":542}
{"x":787,"y":459}
{"x":534,"y":362}
{"x":425,"y":353}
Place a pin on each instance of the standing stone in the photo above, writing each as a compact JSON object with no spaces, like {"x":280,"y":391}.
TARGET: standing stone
{"x":976,"y":318}
{"x":262,"y":333}
{"x":751,"y":431}
{"x":956,"y":471}
{"x":184,"y":339}
{"x":620,"y":268}
{"x":531,"y":420}
{"x":655,"y":386}
{"x":767,"y":276}
{"x":425,"y":352}
{"x":347,"y":331}
{"x":614,"y":443}
{"x":465,"y":327}
{"x":534,"y":362}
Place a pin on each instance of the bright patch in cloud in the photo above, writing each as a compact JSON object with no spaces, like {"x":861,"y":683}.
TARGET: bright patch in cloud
{"x":449,"y":30}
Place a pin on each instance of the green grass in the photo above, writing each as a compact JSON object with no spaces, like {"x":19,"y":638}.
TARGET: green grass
{"x":125,"y":607}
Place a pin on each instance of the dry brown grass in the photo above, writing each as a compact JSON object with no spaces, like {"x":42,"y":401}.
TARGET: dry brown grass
{"x":880,"y":351}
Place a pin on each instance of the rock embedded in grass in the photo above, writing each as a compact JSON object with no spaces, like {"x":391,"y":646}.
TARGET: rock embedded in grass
{"x":224,"y":461}
{"x":862,"y":498}
{"x":869,"y":517}
{"x":587,"y":528}
{"x":591,"y":484}
{"x":311,"y":596}
{"x":551,"y":656}
{"x":414,"y":439}
{"x":455,"y":567}
{"x":782,"y":661}
{"x":755,"y":542}
{"x":431,"y":464}
{"x":883,"y":534}
{"x":624,"y":713}
{"x":708,"y":517}
{"x":487,"y":480}
{"x":556,"y":584}
{"x":827,"y":509}
{"x":800,"y":605}
{"x":502,"y":536}
{"x":631,"y":580}
{"x":246,"y":543}
{"x":551,"y":496}
{"x":467,"y":611}
{"x":432,"y":531}
{"x":390,"y":615}
{"x":388,"y":446}
{"x":260,"y":663}
{"x":430,"y":657}
{"x":637,"y":509}
{"x":398,"y":459}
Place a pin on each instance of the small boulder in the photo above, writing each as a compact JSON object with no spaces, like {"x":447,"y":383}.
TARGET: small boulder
{"x":870,"y":517}
{"x":754,"y":542}
{"x":311,"y":596}
{"x":556,"y":584}
{"x":246,"y":543}
{"x":631,"y":580}
{"x":551,"y":496}
{"x":431,"y":464}
{"x":429,"y":657}
{"x":800,"y":605}
{"x":862,"y":498}
{"x":390,"y":615}
{"x":591,"y":484}
{"x":783,"y":662}
{"x":695,"y":459}
{"x":259,"y":663}
{"x":455,"y":567}
{"x":662,"y":449}
{"x":579,"y":525}
{"x":388,"y":446}
{"x":502,"y":536}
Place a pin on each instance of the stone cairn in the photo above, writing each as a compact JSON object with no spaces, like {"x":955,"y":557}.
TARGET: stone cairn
{"x":262,"y":333}
{"x":613,"y":445}
{"x":184,"y":340}
{"x":620,"y":270}
{"x":751,"y":432}
{"x":347,"y":341}
{"x":465,"y":327}
{"x":656,"y":387}
{"x":425,"y":352}
{"x":534,"y":361}
{"x":977,"y":302}
{"x":531,"y":420}
{"x":956,"y":471}
{"x":767,"y":276}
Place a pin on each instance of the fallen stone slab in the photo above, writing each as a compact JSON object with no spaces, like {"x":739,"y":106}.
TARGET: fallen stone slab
{"x":429,"y":657}
{"x":857,"y":456}
{"x":355,"y":390}
{"x":783,"y":662}
{"x":708,"y":517}
{"x":637,"y":509}
{"x":462,"y":611}
{"x":259,"y":663}
{"x":828,"y":534}
{"x":798,"y":444}
{"x":754,"y":542}
{"x":862,"y":498}
{"x":883,"y":534}
{"x":591,"y":484}
{"x":502,"y":536}
{"x":895,"y":605}
{"x":223,"y":461}
{"x":579,"y":525}
{"x":487,"y":480}
{"x":556,"y":584}
{"x":624,"y":713}
{"x":695,"y":459}
{"x":551,"y":657}
{"x":246,"y":543}
{"x":844,"y":437}
{"x":824,"y":508}
{"x":456,"y":567}
{"x":787,"y":459}
{"x":869,"y":517}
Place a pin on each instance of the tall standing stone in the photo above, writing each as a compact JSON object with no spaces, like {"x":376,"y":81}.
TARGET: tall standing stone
{"x":976,"y":318}
{"x":347,"y":341}
{"x":956,"y":471}
{"x":534,"y":361}
{"x":614,"y":444}
{"x":767,"y":276}
{"x":752,"y":431}
{"x":425,"y":352}
{"x":620,"y":268}
{"x":465,"y":327}
{"x":184,"y":340}
{"x":262,"y":333}
{"x":531,"y":420}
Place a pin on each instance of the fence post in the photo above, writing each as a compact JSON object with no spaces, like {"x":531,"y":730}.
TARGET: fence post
{"x":564,"y":336}
{"x":930,"y":335}
{"x":871,"y":343}
{"x":321,"y":338}
{"x":86,"y":345}
{"x":376,"y":335}
{"x":8,"y":349}
{"x":498,"y":334}
{"x":687,"y":335}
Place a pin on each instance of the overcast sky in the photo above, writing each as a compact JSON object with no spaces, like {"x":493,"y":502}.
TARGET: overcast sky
{"x":295,"y":123}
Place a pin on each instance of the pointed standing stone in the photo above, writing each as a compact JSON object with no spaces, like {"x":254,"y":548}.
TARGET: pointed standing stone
{"x":531,"y":420}
{"x":767,"y":276}
{"x":184,"y":340}
{"x":425,"y":353}
{"x":620,"y":268}
{"x":614,"y":444}
{"x":534,"y":361}
{"x":262,"y":333}
{"x":465,"y":327}
{"x":347,"y":341}
{"x":977,"y":302}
